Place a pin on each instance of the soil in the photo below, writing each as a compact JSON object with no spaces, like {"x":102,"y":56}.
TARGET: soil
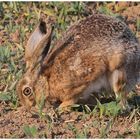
{"x":74,"y":123}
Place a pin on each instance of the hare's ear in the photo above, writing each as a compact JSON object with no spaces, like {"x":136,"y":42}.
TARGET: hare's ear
{"x":38,"y":44}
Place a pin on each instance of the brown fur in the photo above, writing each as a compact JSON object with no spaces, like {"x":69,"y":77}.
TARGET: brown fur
{"x":95,"y":46}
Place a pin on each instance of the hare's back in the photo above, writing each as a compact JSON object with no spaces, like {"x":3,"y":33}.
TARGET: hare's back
{"x":98,"y":32}
{"x":100,"y":26}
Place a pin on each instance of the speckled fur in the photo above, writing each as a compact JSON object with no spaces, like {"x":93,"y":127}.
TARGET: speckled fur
{"x":95,"y":47}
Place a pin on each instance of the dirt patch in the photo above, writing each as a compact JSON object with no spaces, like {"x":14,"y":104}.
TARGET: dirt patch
{"x":68,"y":124}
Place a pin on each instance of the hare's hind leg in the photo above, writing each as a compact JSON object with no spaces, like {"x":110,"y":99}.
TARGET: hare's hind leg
{"x":118,"y":83}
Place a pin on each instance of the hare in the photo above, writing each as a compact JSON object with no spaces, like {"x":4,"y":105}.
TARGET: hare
{"x":97,"y":53}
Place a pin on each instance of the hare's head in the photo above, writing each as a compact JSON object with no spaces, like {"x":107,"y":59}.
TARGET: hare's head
{"x":30,"y":87}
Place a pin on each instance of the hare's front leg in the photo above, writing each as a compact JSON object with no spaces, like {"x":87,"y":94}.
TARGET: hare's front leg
{"x":68,"y":103}
{"x":72,"y":96}
{"x":118,"y":82}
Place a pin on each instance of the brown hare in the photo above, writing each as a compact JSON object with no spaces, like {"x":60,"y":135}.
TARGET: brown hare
{"x":97,"y":53}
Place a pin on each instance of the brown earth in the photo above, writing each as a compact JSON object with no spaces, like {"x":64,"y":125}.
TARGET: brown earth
{"x":76,"y":123}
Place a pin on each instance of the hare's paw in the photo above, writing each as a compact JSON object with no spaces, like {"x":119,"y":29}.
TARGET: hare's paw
{"x":66,"y":103}
{"x":65,"y":106}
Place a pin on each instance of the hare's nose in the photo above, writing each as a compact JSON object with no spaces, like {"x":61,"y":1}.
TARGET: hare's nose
{"x":33,"y":110}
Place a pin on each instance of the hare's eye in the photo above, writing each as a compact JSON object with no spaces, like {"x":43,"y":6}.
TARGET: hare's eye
{"x":27,"y":91}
